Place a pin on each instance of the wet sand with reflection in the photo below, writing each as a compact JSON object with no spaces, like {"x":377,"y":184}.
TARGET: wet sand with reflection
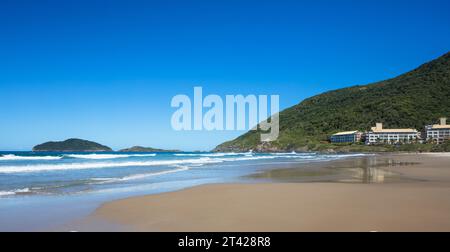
{"x":366,"y":169}
{"x":393,"y":192}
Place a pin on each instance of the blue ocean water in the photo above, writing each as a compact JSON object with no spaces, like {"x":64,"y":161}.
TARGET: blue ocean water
{"x":56,"y":184}
{"x":29,"y":173}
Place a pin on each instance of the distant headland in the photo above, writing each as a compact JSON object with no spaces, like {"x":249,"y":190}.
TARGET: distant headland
{"x":72,"y":145}
{"x":80,"y":145}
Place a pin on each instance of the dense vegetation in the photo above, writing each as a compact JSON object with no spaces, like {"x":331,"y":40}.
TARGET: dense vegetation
{"x":411,"y":100}
{"x":71,"y":145}
{"x":145,"y":149}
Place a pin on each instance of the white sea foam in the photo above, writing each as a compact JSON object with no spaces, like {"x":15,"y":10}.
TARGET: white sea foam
{"x":291,"y":153}
{"x":248,"y":158}
{"x":212,"y":154}
{"x":6,"y":193}
{"x":12,"y":157}
{"x":247,"y":154}
{"x":347,"y":155}
{"x":13,"y":192}
{"x":99,"y":165}
{"x":107,"y":156}
{"x":140,"y":176}
{"x":186,"y":162}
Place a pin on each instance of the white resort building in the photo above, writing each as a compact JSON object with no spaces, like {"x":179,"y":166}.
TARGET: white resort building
{"x":390,"y":136}
{"x":438,"y":132}
{"x":346,"y":137}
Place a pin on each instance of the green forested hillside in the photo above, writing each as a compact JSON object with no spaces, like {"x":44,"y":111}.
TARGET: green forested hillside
{"x":411,"y":100}
{"x":71,"y":145}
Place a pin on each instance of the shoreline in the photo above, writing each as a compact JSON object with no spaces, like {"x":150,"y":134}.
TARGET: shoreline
{"x":411,"y":196}
{"x":57,"y":208}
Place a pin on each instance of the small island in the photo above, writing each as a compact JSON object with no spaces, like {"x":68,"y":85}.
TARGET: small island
{"x":72,"y":145}
{"x":146,"y":149}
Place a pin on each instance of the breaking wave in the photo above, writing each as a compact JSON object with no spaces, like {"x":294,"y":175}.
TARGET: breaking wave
{"x":211,"y":154}
{"x":13,"y":192}
{"x":12,"y":157}
{"x":98,"y":165}
{"x":107,"y":156}
{"x":140,"y":176}
{"x":202,"y":160}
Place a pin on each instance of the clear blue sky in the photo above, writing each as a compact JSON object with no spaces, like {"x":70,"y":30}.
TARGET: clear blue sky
{"x":107,"y":70}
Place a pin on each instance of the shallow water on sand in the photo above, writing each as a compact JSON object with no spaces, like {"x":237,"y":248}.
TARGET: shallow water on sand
{"x":365,"y":169}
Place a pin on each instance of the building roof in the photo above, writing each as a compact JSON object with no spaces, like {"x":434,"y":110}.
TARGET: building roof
{"x":345,"y":133}
{"x":440,"y":126}
{"x":376,"y":130}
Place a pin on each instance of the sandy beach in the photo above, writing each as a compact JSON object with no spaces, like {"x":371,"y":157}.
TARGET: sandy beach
{"x":389,"y":192}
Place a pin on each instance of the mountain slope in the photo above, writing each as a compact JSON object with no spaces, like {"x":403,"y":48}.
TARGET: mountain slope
{"x":410,"y":100}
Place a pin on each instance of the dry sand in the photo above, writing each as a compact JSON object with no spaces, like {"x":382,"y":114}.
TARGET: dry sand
{"x":418,"y":200}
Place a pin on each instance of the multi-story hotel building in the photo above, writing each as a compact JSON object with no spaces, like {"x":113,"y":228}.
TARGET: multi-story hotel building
{"x":390,"y":136}
{"x":438,"y":132}
{"x":346,"y":137}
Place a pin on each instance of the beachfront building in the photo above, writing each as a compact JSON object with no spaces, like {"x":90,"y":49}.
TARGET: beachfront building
{"x":346,"y":137}
{"x":438,"y":133}
{"x":390,"y":136}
